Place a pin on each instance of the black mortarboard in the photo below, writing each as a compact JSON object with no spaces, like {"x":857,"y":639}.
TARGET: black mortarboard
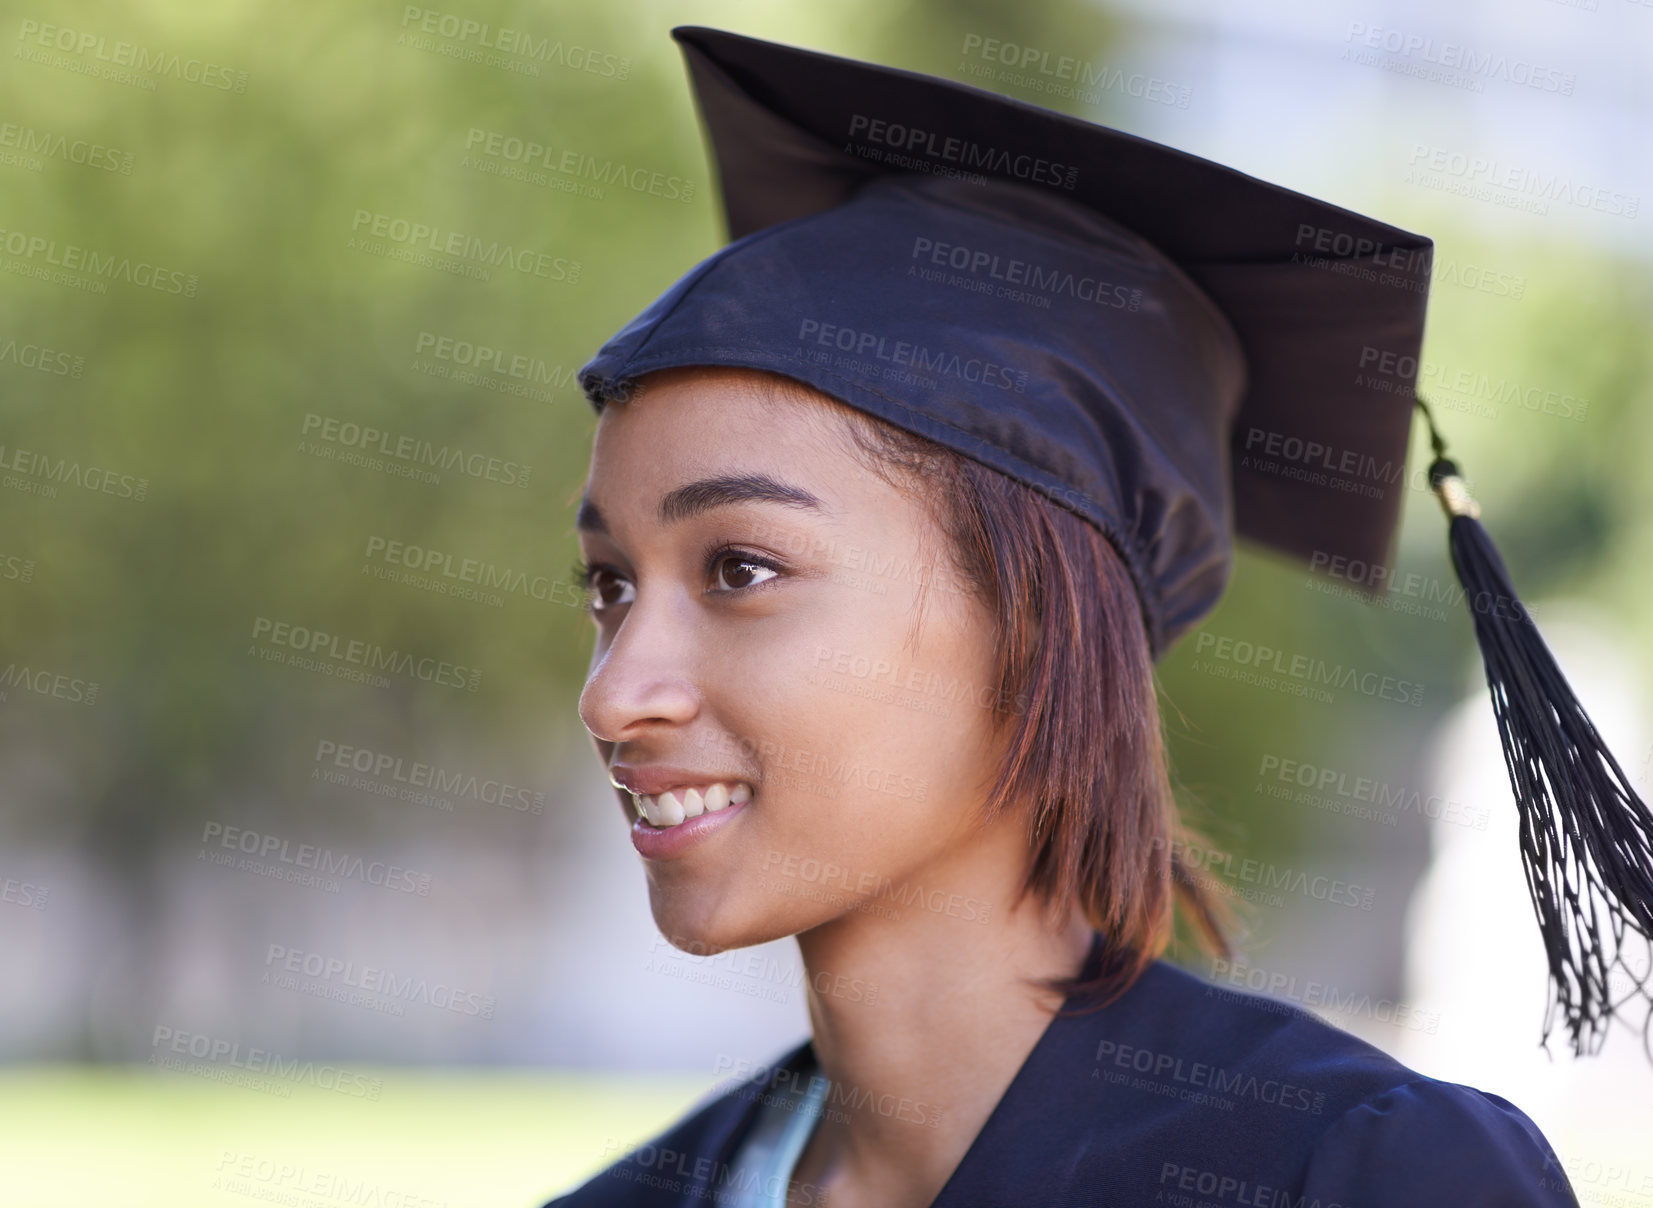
{"x":1174,"y":350}
{"x":1093,"y":272}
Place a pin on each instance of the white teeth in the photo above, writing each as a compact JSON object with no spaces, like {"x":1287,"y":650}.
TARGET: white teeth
{"x":669,"y":807}
{"x":675,"y":806}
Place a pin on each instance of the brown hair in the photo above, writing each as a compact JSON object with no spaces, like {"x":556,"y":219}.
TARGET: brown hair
{"x":1087,"y":749}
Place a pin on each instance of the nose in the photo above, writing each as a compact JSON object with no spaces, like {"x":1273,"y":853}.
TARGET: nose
{"x":644,"y":679}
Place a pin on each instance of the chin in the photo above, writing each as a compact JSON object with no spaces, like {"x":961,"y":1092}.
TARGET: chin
{"x":705,"y":923}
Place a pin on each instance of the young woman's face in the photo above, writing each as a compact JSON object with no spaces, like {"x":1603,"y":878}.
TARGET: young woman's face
{"x":754,"y":588}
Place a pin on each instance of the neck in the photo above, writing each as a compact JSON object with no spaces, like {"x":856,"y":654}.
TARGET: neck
{"x":917,"y":1070}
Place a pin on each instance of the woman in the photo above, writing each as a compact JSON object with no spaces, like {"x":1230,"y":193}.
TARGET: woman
{"x":893,"y":504}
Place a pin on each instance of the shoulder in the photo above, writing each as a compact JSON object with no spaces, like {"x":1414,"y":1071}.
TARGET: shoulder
{"x":1174,"y":1021}
{"x":1430,"y":1142}
{"x":1218,"y":1084}
{"x":690,"y":1161}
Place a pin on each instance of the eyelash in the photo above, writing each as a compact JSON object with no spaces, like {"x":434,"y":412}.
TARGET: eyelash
{"x":585,"y":573}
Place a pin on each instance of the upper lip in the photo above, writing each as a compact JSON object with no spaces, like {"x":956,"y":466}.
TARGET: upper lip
{"x":652,"y":779}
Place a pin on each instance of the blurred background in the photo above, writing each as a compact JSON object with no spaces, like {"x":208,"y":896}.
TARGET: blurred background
{"x":220,"y":339}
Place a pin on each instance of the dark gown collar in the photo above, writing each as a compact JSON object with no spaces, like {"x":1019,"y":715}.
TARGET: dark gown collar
{"x":978,"y":1177}
{"x":1174,"y":1083}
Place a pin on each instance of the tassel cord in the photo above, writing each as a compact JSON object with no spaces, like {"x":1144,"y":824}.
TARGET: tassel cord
{"x":1585,"y":836}
{"x":1604,"y":869}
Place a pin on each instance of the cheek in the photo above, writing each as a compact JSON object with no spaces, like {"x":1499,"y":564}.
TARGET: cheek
{"x":871,"y":751}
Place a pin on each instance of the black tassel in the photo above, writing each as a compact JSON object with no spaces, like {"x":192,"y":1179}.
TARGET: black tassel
{"x":1586,"y":837}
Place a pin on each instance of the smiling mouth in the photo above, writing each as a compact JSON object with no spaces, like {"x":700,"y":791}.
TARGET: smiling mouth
{"x":676,"y":806}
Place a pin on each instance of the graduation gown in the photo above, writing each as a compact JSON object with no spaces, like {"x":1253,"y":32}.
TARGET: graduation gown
{"x":1180,"y":1093}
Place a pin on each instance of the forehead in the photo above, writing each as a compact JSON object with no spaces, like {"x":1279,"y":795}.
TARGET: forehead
{"x":684,"y":421}
{"x":703,"y":406}
{"x":688,"y":440}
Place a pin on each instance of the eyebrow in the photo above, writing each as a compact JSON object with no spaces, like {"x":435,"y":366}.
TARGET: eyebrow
{"x":704,"y":494}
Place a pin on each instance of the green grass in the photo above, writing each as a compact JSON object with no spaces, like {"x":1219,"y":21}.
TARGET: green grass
{"x":138,"y":1137}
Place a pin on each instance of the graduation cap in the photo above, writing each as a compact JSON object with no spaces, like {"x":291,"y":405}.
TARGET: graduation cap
{"x":1174,"y":350}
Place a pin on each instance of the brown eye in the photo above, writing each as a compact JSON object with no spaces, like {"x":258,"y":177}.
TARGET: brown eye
{"x":737,"y":571}
{"x":612,"y":590}
{"x":605,"y":589}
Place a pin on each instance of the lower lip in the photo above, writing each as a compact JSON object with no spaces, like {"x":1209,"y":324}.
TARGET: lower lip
{"x":667,"y":843}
